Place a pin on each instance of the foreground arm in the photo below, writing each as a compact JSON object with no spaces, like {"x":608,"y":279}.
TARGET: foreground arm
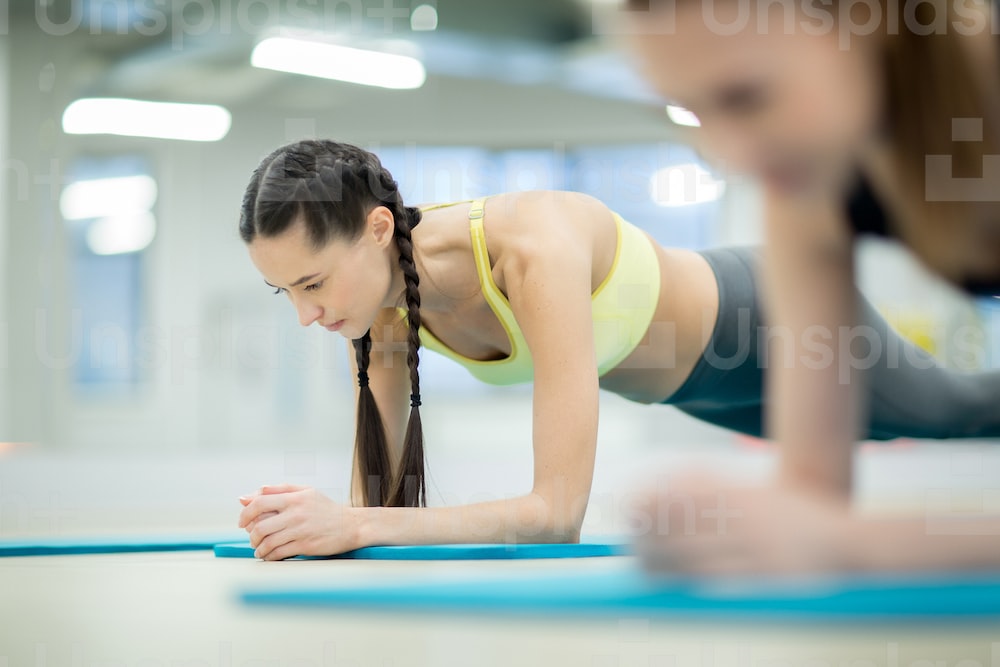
{"x":801,"y":520}
{"x":928,"y":544}
{"x":812,"y":388}
{"x":718,"y":527}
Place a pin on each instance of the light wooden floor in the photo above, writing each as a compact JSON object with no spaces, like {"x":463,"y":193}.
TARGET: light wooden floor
{"x":180,"y":610}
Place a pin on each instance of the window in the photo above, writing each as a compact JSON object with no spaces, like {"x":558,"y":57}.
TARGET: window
{"x":107,"y":206}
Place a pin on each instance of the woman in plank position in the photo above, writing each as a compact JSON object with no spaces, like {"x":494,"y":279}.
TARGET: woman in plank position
{"x":544,"y":287}
{"x":856,"y":118}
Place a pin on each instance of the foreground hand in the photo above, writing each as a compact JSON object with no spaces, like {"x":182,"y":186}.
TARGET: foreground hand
{"x":701,"y":523}
{"x":288,"y":520}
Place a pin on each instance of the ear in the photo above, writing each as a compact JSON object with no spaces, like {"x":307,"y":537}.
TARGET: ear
{"x":381,"y":225}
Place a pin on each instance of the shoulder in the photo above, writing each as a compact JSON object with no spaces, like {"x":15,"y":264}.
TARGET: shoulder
{"x":526,"y":208}
{"x":527,"y":224}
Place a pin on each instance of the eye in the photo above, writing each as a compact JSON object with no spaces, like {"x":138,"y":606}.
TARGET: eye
{"x":313,"y":287}
{"x":743,"y":99}
{"x":279,"y":290}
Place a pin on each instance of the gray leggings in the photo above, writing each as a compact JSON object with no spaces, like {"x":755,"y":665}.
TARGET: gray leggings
{"x":909,"y":395}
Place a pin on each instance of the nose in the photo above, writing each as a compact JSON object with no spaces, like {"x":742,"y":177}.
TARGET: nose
{"x":308,"y":312}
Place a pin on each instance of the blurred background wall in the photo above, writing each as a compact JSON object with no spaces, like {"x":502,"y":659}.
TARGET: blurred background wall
{"x":171,"y":346}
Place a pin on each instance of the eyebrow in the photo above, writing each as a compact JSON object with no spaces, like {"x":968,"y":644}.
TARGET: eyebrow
{"x":303,"y":279}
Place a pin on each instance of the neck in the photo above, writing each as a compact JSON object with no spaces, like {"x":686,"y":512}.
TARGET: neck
{"x":431,"y":297}
{"x":395,"y":296}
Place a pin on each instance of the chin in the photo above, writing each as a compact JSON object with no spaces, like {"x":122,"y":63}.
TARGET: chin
{"x":352,"y":332}
{"x":353,"y":329}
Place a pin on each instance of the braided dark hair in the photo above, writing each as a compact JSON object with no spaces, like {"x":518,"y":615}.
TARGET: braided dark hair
{"x":332,"y":187}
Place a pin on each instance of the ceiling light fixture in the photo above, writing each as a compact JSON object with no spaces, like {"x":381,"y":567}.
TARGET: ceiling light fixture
{"x":107,"y":197}
{"x":424,"y":17}
{"x":121,"y":234}
{"x":140,"y":118}
{"x":341,"y":63}
{"x":682,"y":116}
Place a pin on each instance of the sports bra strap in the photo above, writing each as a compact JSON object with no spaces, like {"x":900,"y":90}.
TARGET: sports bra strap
{"x":434,"y":207}
{"x":478,"y":208}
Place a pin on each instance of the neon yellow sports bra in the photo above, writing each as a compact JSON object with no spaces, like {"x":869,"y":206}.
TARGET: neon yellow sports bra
{"x":623,"y":305}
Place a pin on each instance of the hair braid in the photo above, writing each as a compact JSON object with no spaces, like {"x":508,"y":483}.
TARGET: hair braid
{"x":410,"y":488}
{"x":371,"y":450}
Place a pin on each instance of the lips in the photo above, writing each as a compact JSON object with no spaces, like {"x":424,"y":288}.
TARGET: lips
{"x":784,"y":177}
{"x":336,"y":326}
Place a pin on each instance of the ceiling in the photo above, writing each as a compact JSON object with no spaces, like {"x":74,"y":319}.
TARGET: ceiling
{"x":198,"y":50}
{"x":550,"y":21}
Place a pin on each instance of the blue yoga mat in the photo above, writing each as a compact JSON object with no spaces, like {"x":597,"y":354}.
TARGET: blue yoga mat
{"x":631,"y":593}
{"x":57,"y":546}
{"x":585,"y":549}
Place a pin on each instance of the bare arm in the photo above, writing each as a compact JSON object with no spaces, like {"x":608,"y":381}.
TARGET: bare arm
{"x":548,"y":282}
{"x":813,"y":406}
{"x":927,"y":544}
{"x":811,"y":281}
{"x":497,"y":521}
{"x":803,"y":521}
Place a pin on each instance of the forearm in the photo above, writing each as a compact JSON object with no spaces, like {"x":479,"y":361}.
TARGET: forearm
{"x":528,"y":518}
{"x":812,"y":388}
{"x":814,"y":423}
{"x":926,"y":544}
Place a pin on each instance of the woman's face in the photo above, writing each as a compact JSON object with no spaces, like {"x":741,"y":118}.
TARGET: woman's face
{"x":343,"y":285}
{"x":786,"y":104}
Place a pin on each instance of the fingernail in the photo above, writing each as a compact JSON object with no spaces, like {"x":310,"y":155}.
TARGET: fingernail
{"x":256,"y":554}
{"x":244,"y":497}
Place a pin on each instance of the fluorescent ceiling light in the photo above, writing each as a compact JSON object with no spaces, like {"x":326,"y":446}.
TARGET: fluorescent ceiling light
{"x":682,"y":116}
{"x":685,"y":185}
{"x":424,"y":17}
{"x":121,"y":234}
{"x":342,"y":63}
{"x":139,"y":118}
{"x":107,"y":197}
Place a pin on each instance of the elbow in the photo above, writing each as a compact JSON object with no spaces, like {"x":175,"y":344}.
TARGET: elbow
{"x":543,"y":520}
